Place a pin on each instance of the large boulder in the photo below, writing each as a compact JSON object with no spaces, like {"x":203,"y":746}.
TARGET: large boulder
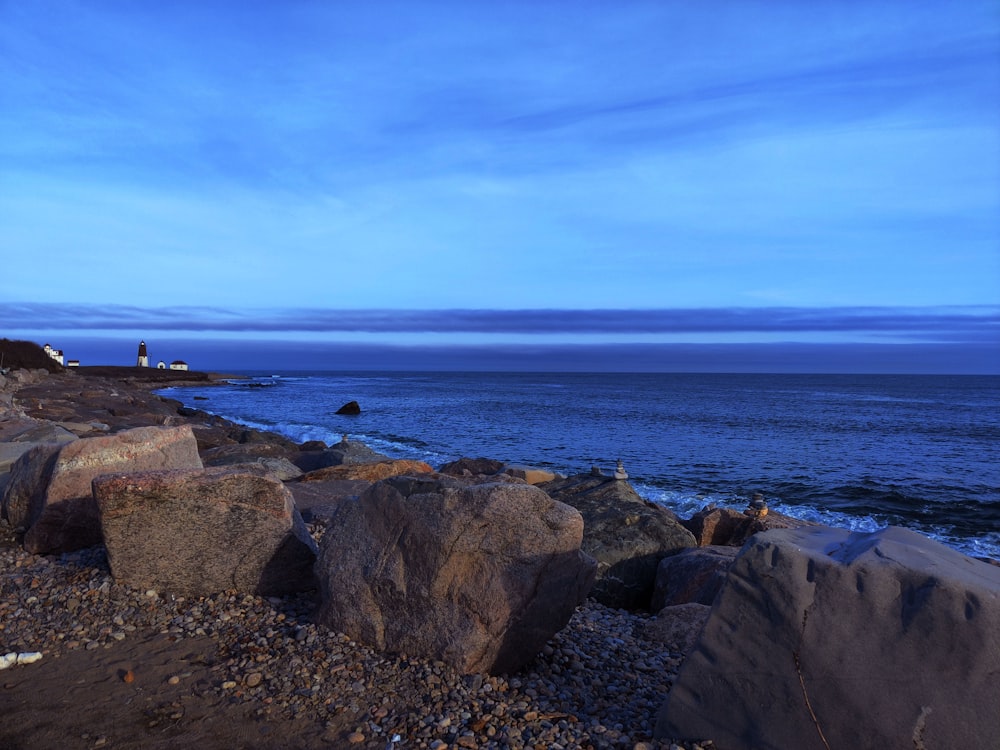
{"x":49,"y":494}
{"x":627,"y":535}
{"x":479,"y":577}
{"x":198,"y":532}
{"x":822,"y":638}
{"x":693,"y":575}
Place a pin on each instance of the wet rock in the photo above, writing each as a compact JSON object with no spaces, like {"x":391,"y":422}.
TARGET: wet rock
{"x":727,"y":527}
{"x":350,"y":408}
{"x":472,"y":467}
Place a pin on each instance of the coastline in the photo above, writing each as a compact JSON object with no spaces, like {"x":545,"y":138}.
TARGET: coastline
{"x":235,"y":669}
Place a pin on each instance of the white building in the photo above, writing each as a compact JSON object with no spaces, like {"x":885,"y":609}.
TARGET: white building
{"x":178,"y":364}
{"x":56,"y":354}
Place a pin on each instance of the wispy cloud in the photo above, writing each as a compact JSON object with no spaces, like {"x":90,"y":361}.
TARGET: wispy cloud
{"x":951,"y":324}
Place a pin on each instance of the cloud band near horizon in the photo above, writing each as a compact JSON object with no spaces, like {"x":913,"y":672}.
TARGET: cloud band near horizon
{"x":946,"y":323}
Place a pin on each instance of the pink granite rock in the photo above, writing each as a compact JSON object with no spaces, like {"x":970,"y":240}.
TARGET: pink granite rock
{"x":479,"y":577}
{"x":198,"y":532}
{"x":49,"y":494}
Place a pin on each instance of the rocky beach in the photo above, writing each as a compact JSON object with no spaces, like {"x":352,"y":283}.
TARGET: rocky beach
{"x":131,"y":665}
{"x":128,"y":668}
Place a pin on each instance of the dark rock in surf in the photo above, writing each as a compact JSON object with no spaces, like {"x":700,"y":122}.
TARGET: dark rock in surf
{"x":350,"y":408}
{"x":313,"y":445}
{"x":344,"y":452}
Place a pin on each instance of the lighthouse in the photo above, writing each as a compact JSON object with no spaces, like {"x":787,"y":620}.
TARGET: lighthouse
{"x":143,"y":359}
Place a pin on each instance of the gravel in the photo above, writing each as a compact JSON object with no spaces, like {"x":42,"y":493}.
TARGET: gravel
{"x":596,"y":684}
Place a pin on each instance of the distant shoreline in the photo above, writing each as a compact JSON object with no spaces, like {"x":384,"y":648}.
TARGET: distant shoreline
{"x":152,"y":374}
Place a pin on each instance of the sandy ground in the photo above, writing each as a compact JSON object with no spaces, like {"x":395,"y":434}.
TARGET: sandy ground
{"x":121,"y":697}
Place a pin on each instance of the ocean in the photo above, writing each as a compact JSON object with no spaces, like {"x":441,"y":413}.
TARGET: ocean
{"x":860,"y":452}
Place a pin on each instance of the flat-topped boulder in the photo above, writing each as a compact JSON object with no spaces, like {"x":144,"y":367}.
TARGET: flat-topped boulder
{"x":49,"y":494}
{"x":471,"y":467}
{"x":368,"y":472}
{"x":627,"y":535}
{"x":822,"y":638}
{"x":479,"y":577}
{"x":271,"y":456}
{"x":530,"y":474}
{"x":202,"y":531}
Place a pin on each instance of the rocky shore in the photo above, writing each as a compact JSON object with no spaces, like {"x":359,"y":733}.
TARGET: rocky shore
{"x":129,"y":668}
{"x":475,"y":605}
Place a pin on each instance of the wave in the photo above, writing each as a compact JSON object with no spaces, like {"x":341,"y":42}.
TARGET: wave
{"x":980,"y":541}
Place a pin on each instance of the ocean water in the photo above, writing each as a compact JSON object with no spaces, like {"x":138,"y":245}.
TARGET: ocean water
{"x":860,"y":452}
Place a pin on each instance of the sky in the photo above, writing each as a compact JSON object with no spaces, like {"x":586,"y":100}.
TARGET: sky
{"x":760,"y":186}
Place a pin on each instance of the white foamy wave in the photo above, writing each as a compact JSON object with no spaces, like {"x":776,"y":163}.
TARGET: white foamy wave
{"x":395,"y":449}
{"x":686,"y":505}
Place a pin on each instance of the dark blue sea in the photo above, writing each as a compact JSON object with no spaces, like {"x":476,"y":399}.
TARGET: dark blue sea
{"x":860,"y":452}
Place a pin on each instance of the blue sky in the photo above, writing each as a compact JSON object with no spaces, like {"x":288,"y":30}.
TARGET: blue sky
{"x":507,"y":175}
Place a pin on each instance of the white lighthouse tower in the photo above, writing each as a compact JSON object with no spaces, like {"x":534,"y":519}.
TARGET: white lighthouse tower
{"x":143,"y":359}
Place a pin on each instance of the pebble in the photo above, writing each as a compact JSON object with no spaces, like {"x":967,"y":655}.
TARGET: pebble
{"x":596,"y":684}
